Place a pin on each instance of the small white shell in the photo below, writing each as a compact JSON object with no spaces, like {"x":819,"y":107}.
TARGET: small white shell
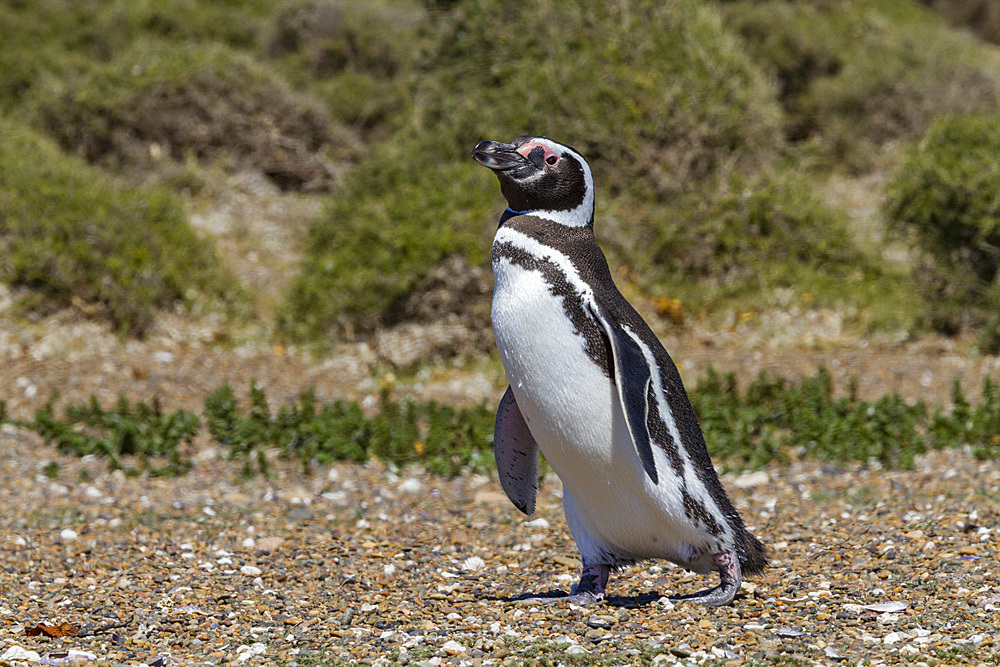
{"x":473,"y":564}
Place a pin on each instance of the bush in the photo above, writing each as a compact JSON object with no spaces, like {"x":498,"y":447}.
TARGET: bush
{"x":854,"y":75}
{"x":355,"y":57}
{"x":980,"y":16}
{"x":367,"y":252}
{"x":657,"y":96}
{"x":947,"y":192}
{"x":73,"y":235}
{"x":737,"y":246}
{"x":752,"y":231}
{"x":653,"y":114}
{"x":65,"y":38}
{"x":333,"y":36}
{"x":206,"y":101}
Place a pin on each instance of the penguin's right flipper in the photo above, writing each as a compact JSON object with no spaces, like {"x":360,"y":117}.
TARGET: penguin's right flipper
{"x":516,"y":453}
{"x":632,"y":376}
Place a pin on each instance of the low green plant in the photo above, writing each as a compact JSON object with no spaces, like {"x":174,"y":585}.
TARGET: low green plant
{"x":444,"y":439}
{"x":770,"y":420}
{"x":141,"y":430}
{"x":977,"y":427}
{"x":51,"y":470}
{"x":73,"y":235}
{"x":773,"y":419}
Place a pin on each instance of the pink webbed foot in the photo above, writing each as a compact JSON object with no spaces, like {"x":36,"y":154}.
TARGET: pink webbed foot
{"x":728,"y":565}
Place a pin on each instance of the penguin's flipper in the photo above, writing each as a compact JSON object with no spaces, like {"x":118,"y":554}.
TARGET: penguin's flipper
{"x":516,"y":453}
{"x":632,"y":376}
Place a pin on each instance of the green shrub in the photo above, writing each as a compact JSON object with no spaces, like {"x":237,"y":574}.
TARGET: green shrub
{"x":854,"y":75}
{"x":753,"y":236}
{"x":65,"y":38}
{"x":980,"y":16}
{"x":328,"y":37}
{"x":754,"y":244}
{"x":368,"y":251}
{"x":947,"y":192}
{"x":201,"y":100}
{"x":355,"y":57}
{"x":73,"y":235}
{"x":657,"y":96}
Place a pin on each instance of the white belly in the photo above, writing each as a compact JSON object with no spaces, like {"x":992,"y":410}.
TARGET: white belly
{"x":574,"y":413}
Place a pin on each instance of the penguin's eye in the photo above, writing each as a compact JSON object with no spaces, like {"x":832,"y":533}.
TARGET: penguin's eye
{"x":551,"y":160}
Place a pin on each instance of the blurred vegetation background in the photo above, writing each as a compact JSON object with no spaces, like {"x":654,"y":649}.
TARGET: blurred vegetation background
{"x":722,"y":136}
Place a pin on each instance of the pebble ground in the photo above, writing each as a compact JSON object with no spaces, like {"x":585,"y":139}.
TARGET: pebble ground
{"x":362,"y":565}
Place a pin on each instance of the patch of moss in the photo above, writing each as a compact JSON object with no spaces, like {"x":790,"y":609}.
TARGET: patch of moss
{"x":946,"y":191}
{"x":73,"y":235}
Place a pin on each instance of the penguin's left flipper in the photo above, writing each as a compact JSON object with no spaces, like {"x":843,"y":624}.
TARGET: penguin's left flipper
{"x":632,"y":376}
{"x":516,"y":453}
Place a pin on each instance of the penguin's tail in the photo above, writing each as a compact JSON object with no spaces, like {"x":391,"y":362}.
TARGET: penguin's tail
{"x":752,"y":554}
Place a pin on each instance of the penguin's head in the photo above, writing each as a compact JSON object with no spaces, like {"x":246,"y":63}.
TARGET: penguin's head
{"x":543,"y":177}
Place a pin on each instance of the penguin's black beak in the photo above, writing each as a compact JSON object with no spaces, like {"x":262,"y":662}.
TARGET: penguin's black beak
{"x":497,"y":156}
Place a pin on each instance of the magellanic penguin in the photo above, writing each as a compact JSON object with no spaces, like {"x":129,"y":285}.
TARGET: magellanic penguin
{"x":593,"y":388}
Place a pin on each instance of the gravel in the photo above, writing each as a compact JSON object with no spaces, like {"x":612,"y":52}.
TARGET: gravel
{"x":362,"y":564}
{"x":401,"y":566}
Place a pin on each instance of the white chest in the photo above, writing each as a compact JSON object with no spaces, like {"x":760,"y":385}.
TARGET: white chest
{"x":561,"y":391}
{"x":573,"y":412}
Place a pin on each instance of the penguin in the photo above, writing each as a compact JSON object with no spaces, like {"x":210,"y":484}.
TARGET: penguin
{"x":593,"y":388}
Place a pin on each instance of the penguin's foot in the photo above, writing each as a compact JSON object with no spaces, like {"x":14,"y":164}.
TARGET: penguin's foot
{"x":728,"y":565}
{"x":590,"y":589}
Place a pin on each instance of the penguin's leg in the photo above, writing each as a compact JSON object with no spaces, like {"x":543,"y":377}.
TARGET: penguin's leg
{"x":589,"y":590}
{"x":594,"y":577}
{"x":731,"y":577}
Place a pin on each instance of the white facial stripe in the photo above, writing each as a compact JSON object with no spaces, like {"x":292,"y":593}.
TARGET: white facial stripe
{"x":668,"y":419}
{"x":582,"y":214}
{"x":540,"y":250}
